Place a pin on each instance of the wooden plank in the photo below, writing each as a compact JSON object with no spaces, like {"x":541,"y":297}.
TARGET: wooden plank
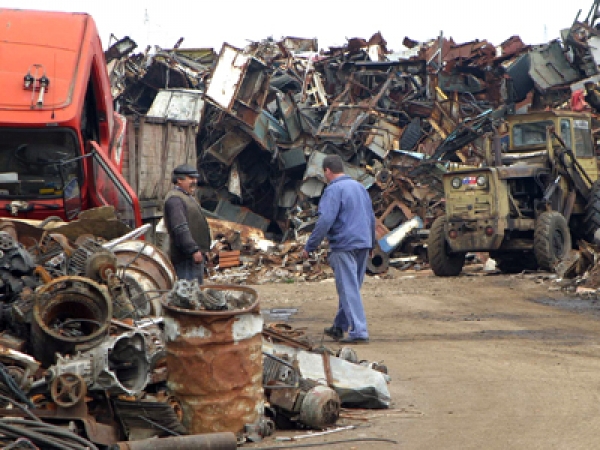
{"x":149,"y":161}
{"x":131,"y":170}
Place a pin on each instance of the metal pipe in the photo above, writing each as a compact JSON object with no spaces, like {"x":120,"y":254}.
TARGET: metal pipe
{"x":394,"y":238}
{"x":134,"y":234}
{"x":210,"y":441}
{"x":497,"y":150}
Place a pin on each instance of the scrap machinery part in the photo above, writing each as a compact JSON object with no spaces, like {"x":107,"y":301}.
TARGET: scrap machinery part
{"x":279,"y":371}
{"x":149,"y":270}
{"x":16,"y":266}
{"x":70,"y":314}
{"x":298,"y":399}
{"x":348,"y":354}
{"x":21,"y":367}
{"x":378,"y":261}
{"x":144,"y":418}
{"x":92,"y":260}
{"x":118,"y":365}
{"x":68,"y":389}
{"x":320,"y":407}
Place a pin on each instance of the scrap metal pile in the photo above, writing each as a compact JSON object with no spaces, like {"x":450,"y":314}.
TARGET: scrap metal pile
{"x":275,"y":109}
{"x":81,"y":348}
{"x":102,"y":347}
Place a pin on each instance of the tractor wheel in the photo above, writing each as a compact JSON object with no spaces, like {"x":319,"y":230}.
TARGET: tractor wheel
{"x":551,"y":239}
{"x":442,"y":262}
{"x":591,"y":220}
{"x":514,"y":262}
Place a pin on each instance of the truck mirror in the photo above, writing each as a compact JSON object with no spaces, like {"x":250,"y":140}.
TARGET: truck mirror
{"x":72,"y":199}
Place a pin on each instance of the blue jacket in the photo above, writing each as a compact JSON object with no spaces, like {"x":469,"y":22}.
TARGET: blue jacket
{"x":345,"y":217}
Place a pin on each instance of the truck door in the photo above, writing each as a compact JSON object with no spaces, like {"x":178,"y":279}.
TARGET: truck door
{"x":108,"y":188}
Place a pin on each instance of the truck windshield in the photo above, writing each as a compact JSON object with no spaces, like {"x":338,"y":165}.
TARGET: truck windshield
{"x":531,"y":133}
{"x":37,"y":163}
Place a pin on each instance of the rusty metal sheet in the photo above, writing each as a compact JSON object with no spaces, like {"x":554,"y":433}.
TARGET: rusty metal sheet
{"x":341,"y":122}
{"x":549,"y":66}
{"x":227,"y":76}
{"x":227,"y":228}
{"x":382,"y":137}
{"x":120,"y":48}
{"x":234,"y":185}
{"x":293,"y":158}
{"x":284,"y":397}
{"x":289,"y":113}
{"x":314,"y":170}
{"x":239,"y":84}
{"x":512,"y":46}
{"x":288,"y":198}
{"x":296,"y":44}
{"x":180,"y":106}
{"x":229,"y":146}
{"x":312,"y":187}
{"x":239,"y":214}
{"x":460,"y":82}
{"x":262,"y":134}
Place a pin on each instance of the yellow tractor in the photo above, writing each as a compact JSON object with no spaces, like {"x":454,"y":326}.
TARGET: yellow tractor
{"x":536,"y":193}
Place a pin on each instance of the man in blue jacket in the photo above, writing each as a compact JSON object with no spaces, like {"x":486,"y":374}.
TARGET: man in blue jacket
{"x":346,"y":218}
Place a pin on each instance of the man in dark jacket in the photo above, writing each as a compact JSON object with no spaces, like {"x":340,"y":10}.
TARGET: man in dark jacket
{"x":346,"y":218}
{"x":189,"y":232}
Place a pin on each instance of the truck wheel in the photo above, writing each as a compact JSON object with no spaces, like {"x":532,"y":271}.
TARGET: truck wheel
{"x":551,"y":239}
{"x":442,"y":262}
{"x":591,"y":220}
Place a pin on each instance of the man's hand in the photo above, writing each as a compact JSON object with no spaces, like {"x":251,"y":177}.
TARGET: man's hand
{"x":198,"y":258}
{"x":304,"y":254}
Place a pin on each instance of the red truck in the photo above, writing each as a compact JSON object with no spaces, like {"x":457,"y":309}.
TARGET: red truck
{"x":61,"y":142}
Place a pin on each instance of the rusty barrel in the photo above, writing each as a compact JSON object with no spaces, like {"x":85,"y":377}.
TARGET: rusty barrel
{"x":214,"y":362}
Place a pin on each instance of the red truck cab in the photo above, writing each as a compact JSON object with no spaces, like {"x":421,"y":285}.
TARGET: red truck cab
{"x":60,"y":139}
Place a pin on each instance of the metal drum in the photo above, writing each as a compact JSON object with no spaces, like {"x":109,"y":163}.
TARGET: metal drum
{"x":214,"y":361}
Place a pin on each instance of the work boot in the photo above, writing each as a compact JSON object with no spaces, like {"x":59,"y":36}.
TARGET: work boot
{"x":355,"y":340}
{"x":334,"y":333}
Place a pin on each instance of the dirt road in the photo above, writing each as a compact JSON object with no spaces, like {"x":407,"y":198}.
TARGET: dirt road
{"x":477,"y":362}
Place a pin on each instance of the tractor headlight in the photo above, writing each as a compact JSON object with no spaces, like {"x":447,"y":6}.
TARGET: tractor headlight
{"x":456,"y":183}
{"x":481,"y":181}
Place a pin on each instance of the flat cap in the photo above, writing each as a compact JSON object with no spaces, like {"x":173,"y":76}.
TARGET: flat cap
{"x":186,"y":169}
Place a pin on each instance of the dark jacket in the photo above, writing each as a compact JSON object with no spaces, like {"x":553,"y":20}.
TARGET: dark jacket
{"x":188,"y":228}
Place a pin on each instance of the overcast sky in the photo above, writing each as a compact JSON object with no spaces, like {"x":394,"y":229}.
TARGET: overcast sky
{"x":210,"y":23}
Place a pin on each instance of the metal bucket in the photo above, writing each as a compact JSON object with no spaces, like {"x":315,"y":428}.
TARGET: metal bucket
{"x":214,"y":361}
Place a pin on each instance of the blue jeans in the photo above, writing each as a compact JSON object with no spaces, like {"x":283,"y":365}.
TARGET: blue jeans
{"x":189,"y":270}
{"x":349,"y":268}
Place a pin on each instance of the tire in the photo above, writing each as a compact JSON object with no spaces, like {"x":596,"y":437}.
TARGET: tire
{"x":591,"y":220}
{"x":514,"y":262}
{"x":442,"y":262}
{"x":411,"y":135}
{"x":551,"y":239}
